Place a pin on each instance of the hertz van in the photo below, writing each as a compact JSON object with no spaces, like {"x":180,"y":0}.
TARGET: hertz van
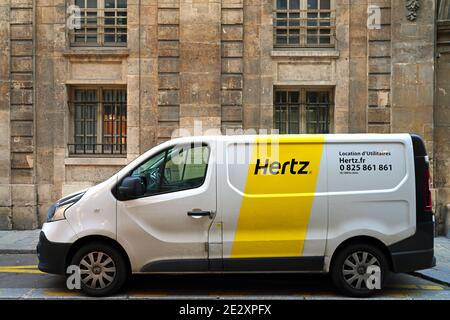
{"x":354,"y":206}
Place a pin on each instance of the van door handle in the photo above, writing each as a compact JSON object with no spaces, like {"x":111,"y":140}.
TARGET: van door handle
{"x":197,"y":213}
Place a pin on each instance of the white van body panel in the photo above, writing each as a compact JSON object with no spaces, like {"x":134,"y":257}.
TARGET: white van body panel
{"x":259,"y":215}
{"x":384,"y":208}
{"x":59,"y":231}
{"x":157,"y":228}
{"x":95,"y":213}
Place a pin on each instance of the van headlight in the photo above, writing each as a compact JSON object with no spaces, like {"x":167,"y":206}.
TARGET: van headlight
{"x":57,"y":210}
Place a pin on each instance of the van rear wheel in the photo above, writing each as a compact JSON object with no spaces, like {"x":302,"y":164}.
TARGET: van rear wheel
{"x":358,"y":270}
{"x":102,"y":269}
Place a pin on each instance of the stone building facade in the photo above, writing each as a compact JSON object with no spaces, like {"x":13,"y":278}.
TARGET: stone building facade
{"x":80,"y":98}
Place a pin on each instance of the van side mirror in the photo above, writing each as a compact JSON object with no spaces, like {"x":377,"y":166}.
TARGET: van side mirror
{"x":130,"y":188}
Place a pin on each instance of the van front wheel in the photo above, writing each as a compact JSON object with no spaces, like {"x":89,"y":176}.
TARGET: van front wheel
{"x":359,"y":270}
{"x":102,"y":269}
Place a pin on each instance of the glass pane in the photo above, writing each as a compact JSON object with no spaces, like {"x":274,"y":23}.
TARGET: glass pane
{"x":294,"y":117}
{"x":122,"y":38}
{"x":294,"y":4}
{"x":91,"y":3}
{"x":312,"y":97}
{"x":294,"y":97}
{"x":281,"y":19}
{"x":312,"y":19}
{"x":294,"y":40}
{"x":293,"y":128}
{"x":80,"y":3}
{"x":325,"y":40}
{"x":150,"y":172}
{"x":110,"y":4}
{"x":185,"y":168}
{"x":85,"y":120}
{"x":281,"y":4}
{"x":312,"y":4}
{"x":110,"y":21}
{"x":174,"y":167}
{"x":121,"y":3}
{"x":325,"y":4}
{"x":196,"y":163}
{"x":294,"y":19}
{"x":281,"y":40}
{"x":283,"y":95}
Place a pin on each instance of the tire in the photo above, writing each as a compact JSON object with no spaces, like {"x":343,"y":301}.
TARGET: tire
{"x":107,"y":273}
{"x":347,"y":277}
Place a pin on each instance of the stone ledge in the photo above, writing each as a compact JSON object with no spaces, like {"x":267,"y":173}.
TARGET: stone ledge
{"x":95,"y":161}
{"x":96,"y":53}
{"x":333,"y":54}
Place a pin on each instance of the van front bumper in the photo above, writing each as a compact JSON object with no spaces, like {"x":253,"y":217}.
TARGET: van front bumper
{"x":52,"y":255}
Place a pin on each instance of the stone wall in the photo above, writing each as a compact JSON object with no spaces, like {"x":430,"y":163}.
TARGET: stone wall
{"x":442,"y":129}
{"x":207,"y":60}
{"x":17,"y":179}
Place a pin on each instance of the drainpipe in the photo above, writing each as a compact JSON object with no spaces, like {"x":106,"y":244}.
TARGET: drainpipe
{"x":447,"y":220}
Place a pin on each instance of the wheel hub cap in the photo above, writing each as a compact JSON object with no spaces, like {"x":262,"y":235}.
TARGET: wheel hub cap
{"x":361,"y":270}
{"x":354,"y":269}
{"x":97,"y":270}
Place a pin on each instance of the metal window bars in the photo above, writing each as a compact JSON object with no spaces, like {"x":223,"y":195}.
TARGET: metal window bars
{"x":100,"y":27}
{"x":304,"y":28}
{"x":100,"y":127}
{"x":296,"y":113}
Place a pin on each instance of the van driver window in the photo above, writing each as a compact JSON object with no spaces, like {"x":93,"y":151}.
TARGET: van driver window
{"x":178,"y":168}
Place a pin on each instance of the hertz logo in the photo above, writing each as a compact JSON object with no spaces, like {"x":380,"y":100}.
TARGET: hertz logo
{"x":291,"y":167}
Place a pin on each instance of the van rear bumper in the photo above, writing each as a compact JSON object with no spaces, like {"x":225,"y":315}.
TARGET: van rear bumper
{"x":415,"y":252}
{"x":413,"y":260}
{"x":52,"y":255}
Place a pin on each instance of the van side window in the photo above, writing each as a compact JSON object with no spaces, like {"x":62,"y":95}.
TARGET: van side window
{"x":185,"y":168}
{"x":150,"y":172}
{"x":178,"y":168}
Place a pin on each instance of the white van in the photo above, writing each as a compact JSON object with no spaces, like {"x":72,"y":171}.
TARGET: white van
{"x":353,"y":206}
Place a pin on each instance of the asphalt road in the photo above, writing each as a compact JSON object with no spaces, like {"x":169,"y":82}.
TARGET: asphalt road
{"x":20,"y":279}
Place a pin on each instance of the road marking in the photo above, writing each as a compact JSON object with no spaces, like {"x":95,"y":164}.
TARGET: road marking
{"x":403,"y":286}
{"x":414,"y":287}
{"x":21,"y":269}
{"x":397,"y":295}
{"x":148,"y":294}
{"x":63,"y":293}
{"x":431,"y":287}
{"x":230,"y":293}
{"x":31,"y":271}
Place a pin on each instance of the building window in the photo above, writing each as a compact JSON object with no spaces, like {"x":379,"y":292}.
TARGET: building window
{"x":102,"y":23}
{"x":304,"y":23}
{"x":303,"y":111}
{"x":444,"y":10}
{"x":99,"y":121}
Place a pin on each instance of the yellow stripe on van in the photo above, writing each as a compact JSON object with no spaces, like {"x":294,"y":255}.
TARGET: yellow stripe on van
{"x":276,"y":207}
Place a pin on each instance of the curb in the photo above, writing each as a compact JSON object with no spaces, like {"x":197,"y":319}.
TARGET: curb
{"x":17,"y":251}
{"x":425,"y":277}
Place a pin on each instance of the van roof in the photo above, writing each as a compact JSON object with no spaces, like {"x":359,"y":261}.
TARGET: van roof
{"x":356,"y":137}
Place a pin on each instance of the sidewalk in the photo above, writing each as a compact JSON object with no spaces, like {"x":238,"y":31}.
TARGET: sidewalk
{"x":441,"y":272}
{"x":25,"y":242}
{"x":19,"y":241}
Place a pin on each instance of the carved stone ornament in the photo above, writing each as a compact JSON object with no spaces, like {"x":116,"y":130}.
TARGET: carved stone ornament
{"x":413,"y":7}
